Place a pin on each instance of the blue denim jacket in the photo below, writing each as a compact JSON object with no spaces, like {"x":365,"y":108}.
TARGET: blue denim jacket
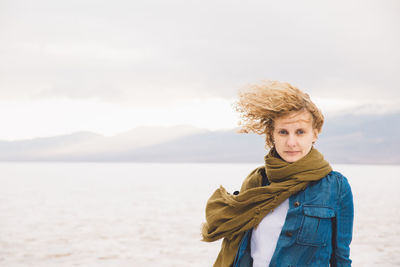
{"x":317,"y":230}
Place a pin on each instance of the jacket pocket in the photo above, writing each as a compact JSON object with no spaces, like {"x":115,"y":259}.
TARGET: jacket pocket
{"x":316,"y":226}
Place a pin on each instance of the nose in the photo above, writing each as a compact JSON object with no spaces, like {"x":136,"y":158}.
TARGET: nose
{"x":291,"y":141}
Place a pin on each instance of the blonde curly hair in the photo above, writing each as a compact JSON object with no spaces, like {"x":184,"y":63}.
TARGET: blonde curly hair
{"x":260,"y":104}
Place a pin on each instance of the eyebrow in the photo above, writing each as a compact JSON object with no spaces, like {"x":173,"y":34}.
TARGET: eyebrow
{"x":283,"y":128}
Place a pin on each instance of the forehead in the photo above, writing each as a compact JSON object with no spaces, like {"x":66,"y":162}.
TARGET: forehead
{"x":301,"y":118}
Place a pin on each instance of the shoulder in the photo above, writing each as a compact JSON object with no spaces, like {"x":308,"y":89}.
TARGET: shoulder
{"x":337,"y":177}
{"x":254,"y":178}
{"x":336,"y":182}
{"x":334,"y":177}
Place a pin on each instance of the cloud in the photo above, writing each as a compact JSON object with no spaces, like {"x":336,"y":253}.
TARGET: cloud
{"x":152,"y":53}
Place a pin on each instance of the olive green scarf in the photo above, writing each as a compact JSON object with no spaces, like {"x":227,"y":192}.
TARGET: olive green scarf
{"x":229,"y":216}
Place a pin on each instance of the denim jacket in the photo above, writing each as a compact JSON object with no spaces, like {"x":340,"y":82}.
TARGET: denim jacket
{"x":317,"y":229}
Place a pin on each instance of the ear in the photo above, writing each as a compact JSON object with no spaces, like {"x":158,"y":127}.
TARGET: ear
{"x":315,"y":135}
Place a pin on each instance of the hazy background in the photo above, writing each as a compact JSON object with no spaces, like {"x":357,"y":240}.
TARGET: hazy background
{"x":108,"y":67}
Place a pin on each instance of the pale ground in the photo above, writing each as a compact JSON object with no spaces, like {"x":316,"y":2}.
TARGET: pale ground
{"x":150,"y":214}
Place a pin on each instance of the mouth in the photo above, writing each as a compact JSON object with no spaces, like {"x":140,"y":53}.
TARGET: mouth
{"x":292,"y":152}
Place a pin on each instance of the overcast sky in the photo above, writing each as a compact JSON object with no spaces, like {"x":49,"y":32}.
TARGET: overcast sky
{"x":108,"y":66}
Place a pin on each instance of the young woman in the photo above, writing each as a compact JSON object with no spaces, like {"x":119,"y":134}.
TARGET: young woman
{"x":292,"y":211}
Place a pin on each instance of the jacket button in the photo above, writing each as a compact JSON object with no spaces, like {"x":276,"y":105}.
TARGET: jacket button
{"x":289,"y":234}
{"x":296,"y":204}
{"x":236,"y":193}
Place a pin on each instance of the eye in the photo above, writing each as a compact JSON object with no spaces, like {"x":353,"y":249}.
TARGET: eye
{"x":300,"y":131}
{"x":282,"y":132}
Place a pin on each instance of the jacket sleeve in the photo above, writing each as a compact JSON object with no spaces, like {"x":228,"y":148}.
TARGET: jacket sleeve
{"x":343,"y":226}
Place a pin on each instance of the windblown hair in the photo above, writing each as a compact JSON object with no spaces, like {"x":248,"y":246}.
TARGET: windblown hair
{"x":260,"y":104}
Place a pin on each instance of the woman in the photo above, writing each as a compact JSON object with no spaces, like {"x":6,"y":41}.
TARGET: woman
{"x":292,"y":211}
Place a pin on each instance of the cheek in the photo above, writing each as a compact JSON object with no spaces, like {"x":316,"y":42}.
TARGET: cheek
{"x":277,"y":139}
{"x":309,"y":142}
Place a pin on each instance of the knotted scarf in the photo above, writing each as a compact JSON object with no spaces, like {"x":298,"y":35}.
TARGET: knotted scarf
{"x":229,"y":216}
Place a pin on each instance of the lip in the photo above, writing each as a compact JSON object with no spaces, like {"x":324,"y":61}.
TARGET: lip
{"x":292,"y":152}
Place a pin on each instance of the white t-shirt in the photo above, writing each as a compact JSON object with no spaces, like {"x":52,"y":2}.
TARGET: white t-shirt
{"x":265,"y":237}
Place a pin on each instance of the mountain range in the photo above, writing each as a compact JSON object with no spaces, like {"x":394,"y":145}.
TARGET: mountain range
{"x":349,"y":138}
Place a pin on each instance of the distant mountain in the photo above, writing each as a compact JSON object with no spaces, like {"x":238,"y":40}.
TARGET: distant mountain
{"x":43,"y":148}
{"x":86,"y":146}
{"x":364,"y":138}
{"x":351,"y":138}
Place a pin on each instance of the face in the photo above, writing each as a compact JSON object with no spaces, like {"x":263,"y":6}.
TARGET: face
{"x":294,"y":135}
